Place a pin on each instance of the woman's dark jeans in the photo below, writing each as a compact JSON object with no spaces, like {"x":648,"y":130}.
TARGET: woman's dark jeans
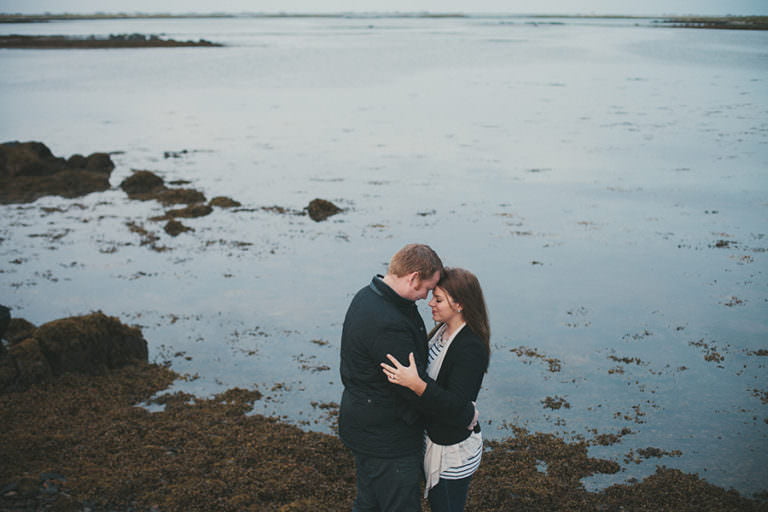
{"x":449,"y":495}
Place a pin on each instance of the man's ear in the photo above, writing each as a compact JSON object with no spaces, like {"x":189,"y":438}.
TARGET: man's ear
{"x":413,"y":279}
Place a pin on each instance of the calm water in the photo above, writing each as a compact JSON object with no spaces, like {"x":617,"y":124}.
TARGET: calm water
{"x":585,"y":171}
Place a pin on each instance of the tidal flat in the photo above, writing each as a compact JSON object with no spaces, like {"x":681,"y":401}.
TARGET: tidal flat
{"x":604,"y":180}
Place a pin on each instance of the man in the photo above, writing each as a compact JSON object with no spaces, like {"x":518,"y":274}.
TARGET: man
{"x":378,"y":420}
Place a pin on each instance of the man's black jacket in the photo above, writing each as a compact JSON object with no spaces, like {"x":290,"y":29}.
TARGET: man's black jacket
{"x":378,"y":418}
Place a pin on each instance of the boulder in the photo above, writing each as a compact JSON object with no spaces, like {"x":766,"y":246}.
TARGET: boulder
{"x":99,"y":162}
{"x":91,"y":344}
{"x":142,"y":182}
{"x":28,"y":159}
{"x":175,"y":228}
{"x":146,"y":185}
{"x":5,"y":319}
{"x":30,"y":364}
{"x":77,"y":162}
{"x":321,"y":209}
{"x":19,"y":329}
{"x":28,"y":171}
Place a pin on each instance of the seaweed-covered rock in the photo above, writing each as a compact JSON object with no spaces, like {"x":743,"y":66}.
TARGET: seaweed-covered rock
{"x":224,"y":202}
{"x":90,"y":344}
{"x":99,"y":162}
{"x":191,"y":211}
{"x":321,"y":209}
{"x":5,"y":319}
{"x":29,"y":362}
{"x":175,"y":228}
{"x":28,"y":159}
{"x":19,"y":329}
{"x":180,"y":196}
{"x":141,"y":182}
{"x":146,"y":186}
{"x":28,"y":171}
{"x":77,"y":161}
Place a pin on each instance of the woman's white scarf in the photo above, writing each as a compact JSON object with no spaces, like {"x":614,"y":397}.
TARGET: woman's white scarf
{"x":437,"y":457}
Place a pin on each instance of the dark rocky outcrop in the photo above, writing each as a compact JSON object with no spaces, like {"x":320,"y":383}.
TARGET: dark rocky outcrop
{"x":92,"y":344}
{"x":321,"y":209}
{"x":5,"y":320}
{"x":224,"y":202}
{"x":175,"y":228}
{"x":141,"y":184}
{"x":147,"y":186}
{"x":28,"y":171}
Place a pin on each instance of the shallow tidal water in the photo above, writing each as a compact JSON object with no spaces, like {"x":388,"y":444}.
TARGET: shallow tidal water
{"x":606,"y":181}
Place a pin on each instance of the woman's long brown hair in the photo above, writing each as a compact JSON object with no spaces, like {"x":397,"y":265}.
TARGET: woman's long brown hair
{"x":464,"y":288}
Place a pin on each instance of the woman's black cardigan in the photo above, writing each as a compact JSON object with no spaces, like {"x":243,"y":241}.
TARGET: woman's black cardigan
{"x":459,"y":381}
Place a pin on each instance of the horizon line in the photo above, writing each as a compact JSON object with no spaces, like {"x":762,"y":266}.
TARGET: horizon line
{"x":396,"y":13}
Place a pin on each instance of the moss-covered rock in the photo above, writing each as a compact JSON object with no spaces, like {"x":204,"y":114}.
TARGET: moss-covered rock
{"x":91,"y":344}
{"x":29,"y":171}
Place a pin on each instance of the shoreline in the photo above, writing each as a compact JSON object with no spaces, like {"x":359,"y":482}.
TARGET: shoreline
{"x":89,"y":424}
{"x":94,"y":446}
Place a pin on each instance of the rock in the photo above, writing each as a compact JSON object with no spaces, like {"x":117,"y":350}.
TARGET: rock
{"x":321,"y":209}
{"x":224,"y":202}
{"x":195,"y":210}
{"x":29,"y":171}
{"x":30,"y":364}
{"x":77,"y":162}
{"x":146,"y":185}
{"x":99,"y":162}
{"x":8,"y":370}
{"x":67,"y":183}
{"x":28,"y":159}
{"x":19,"y":329}
{"x":91,"y":344}
{"x":141,"y":182}
{"x":175,"y":228}
{"x":5,"y":319}
{"x":180,"y":196}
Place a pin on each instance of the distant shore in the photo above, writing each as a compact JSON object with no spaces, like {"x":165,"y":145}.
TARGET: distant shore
{"x":113,"y":41}
{"x":705,"y":22}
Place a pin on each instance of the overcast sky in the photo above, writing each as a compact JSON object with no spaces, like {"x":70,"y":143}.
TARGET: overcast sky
{"x":626,"y":7}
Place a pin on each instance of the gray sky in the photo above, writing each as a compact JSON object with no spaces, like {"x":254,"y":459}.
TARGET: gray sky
{"x":626,"y":7}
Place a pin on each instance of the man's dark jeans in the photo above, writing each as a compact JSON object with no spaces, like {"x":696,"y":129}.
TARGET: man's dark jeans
{"x":388,"y":485}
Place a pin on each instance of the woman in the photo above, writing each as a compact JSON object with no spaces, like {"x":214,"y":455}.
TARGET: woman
{"x":459,"y":351}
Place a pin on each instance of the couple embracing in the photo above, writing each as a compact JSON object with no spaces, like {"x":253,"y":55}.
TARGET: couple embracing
{"x":408,"y":409}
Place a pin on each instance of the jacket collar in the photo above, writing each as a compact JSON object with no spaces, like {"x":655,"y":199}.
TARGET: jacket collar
{"x":381,"y":288}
